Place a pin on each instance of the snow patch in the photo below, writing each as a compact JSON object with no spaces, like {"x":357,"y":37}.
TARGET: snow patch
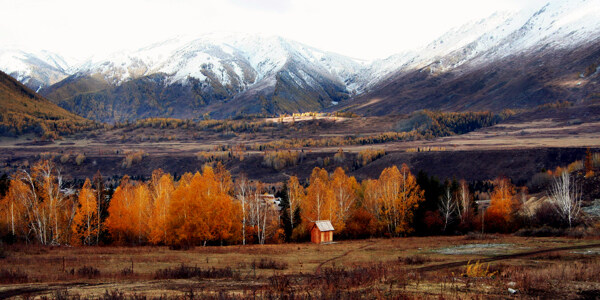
{"x":484,"y":249}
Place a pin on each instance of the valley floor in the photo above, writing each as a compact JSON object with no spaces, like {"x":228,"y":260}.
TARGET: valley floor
{"x":457,"y":267}
{"x":518,"y":148}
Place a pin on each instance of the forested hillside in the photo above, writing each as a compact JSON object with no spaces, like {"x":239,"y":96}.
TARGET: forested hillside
{"x":23,"y":111}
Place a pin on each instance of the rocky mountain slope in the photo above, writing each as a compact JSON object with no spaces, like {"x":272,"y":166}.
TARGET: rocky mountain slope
{"x":509,"y":60}
{"x":35,"y":69}
{"x":224,"y":75}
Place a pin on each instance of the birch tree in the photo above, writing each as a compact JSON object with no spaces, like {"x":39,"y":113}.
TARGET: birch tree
{"x":464,"y":202}
{"x":243,"y":188}
{"x":447,"y":206}
{"x":100,"y":203}
{"x":566,"y":197}
{"x":344,"y":193}
{"x":400,"y":195}
{"x":161,"y":190}
{"x":295,"y":197}
{"x":318,"y":195}
{"x":48,"y":213}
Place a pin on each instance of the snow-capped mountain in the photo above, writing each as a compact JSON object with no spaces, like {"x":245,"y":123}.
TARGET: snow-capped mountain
{"x":509,"y":59}
{"x":35,"y":69}
{"x":557,"y":23}
{"x":256,"y":74}
{"x":245,"y":59}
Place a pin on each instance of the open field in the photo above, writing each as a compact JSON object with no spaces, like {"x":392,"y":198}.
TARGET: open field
{"x":517,"y":149}
{"x":428,"y":267}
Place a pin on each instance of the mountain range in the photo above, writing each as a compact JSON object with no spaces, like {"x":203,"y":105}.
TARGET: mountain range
{"x":511,"y":59}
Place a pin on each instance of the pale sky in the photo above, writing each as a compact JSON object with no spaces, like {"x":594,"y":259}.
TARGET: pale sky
{"x":361,"y":29}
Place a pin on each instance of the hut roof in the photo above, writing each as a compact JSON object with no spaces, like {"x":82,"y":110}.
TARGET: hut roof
{"x":324,"y":225}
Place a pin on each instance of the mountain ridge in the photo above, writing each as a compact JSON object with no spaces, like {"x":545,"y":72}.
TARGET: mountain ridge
{"x":230,"y":74}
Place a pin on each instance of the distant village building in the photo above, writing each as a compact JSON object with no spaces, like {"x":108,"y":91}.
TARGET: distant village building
{"x":482,"y":205}
{"x":321,"y":232}
{"x":271,"y":200}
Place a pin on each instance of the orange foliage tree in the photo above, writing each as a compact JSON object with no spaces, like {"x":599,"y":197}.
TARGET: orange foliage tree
{"x":319,"y":203}
{"x":201,"y":210}
{"x":13,"y":206}
{"x":120,"y":220}
{"x":344,"y":191}
{"x":399,"y":197}
{"x":161,"y":189}
{"x":85,"y":222}
{"x":371,"y":196}
{"x":498,"y":216}
{"x":142,"y":209}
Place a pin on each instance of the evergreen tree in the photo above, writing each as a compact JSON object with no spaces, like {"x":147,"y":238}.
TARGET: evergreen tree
{"x":285,"y":214}
{"x":433,"y":191}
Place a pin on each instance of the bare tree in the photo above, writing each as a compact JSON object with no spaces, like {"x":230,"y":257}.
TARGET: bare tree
{"x":566,"y":197}
{"x":464,"y":202}
{"x":46,"y":207}
{"x":259,"y":212}
{"x":243,"y":188}
{"x":447,"y":207}
{"x":99,"y":185}
{"x":295,"y":195}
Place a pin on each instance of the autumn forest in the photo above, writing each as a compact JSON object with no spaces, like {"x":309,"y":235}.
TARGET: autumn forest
{"x":211,"y":208}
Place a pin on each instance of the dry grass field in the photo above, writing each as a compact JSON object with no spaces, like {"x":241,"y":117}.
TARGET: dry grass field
{"x":522,"y":142}
{"x":428,"y":267}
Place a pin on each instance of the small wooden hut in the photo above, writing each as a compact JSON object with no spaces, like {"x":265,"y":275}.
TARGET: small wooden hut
{"x":321,"y":232}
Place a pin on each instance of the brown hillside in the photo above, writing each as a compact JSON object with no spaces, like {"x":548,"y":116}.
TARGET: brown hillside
{"x":23,"y":111}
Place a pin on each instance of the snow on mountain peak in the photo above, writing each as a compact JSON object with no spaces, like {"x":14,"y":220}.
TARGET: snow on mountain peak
{"x":244,"y":60}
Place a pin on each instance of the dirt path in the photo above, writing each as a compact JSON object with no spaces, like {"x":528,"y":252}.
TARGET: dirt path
{"x":21,"y":291}
{"x":502,"y":257}
{"x":318,"y":270}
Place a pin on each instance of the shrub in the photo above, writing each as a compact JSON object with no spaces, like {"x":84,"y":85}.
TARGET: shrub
{"x":596,"y":160}
{"x":339,"y":157}
{"x":210,"y":156}
{"x":184,"y":272}
{"x":342,"y":278}
{"x":113,"y":295}
{"x":414,"y":260}
{"x":369,"y":155}
{"x":79,"y":159}
{"x":268,"y":263}
{"x":575,"y":166}
{"x":127,"y":271}
{"x":12,"y":276}
{"x":361,"y":224}
{"x":47,"y":155}
{"x":65,"y":158}
{"x":540,"y":182}
{"x":280,"y":283}
{"x":544,"y":231}
{"x":478,"y":270}
{"x":88,"y":271}
{"x":476,"y":236}
{"x":132,"y":158}
{"x":546,"y":215}
{"x":281,"y":159}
